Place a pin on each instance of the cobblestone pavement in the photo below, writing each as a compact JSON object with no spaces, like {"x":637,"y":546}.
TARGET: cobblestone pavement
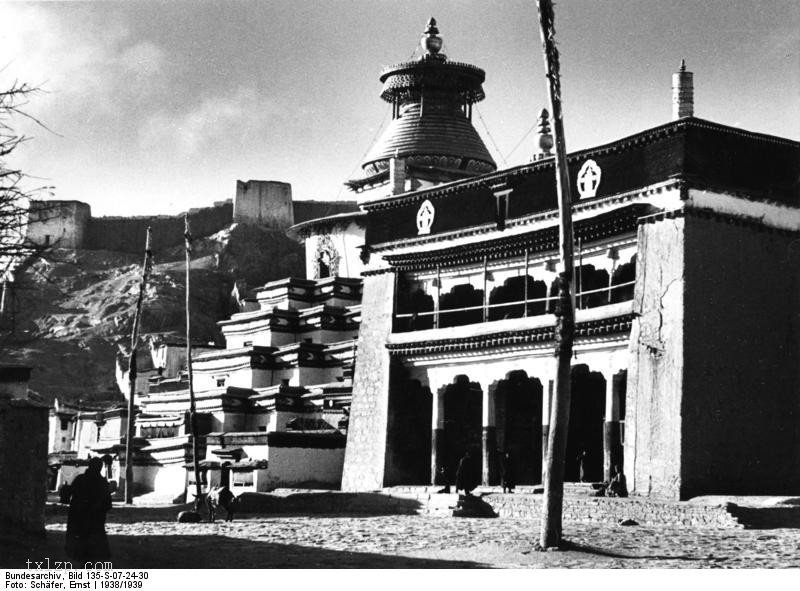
{"x":409,"y":541}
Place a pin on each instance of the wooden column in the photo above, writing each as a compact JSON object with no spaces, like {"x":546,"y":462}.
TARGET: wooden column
{"x":488,"y":437}
{"x":547,"y":398}
{"x":437,"y":437}
{"x":612,"y":448}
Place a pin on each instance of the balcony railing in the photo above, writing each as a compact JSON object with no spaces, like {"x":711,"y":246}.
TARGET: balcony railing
{"x":441,"y":318}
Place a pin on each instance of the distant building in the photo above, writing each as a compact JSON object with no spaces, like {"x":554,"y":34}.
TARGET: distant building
{"x":272,"y":404}
{"x":686,"y":365}
{"x":23,"y":453}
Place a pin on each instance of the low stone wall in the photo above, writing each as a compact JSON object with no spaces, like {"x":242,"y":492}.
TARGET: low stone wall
{"x":585,"y":509}
{"x":320,"y":502}
{"x":612,"y":510}
{"x":579,"y":509}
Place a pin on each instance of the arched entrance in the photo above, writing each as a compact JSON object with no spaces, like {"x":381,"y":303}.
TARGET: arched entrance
{"x":518,"y":415}
{"x":586,"y":418}
{"x":408,"y":457}
{"x":463,"y":402}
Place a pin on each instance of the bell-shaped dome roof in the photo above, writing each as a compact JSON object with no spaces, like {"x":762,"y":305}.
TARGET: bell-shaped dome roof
{"x":431,"y":125}
{"x":431,"y":134}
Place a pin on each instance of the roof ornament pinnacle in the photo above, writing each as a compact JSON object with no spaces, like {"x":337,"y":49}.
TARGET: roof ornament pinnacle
{"x":682,"y":93}
{"x":431,"y":42}
{"x":545,"y":143}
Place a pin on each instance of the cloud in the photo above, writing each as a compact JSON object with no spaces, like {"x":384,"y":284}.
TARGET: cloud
{"x":143,"y":59}
{"x":225,"y":119}
{"x":82,"y":62}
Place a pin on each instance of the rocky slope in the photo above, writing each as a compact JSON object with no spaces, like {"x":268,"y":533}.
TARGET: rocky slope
{"x":73,"y":312}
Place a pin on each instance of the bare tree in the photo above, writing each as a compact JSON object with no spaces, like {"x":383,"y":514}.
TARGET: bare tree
{"x":16,"y":211}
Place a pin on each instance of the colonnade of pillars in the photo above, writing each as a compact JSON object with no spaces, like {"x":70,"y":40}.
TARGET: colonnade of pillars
{"x":615,"y":385}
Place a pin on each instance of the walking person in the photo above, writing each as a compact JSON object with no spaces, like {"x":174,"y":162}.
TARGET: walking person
{"x":86,"y":519}
{"x":507,"y":477}
{"x":466,"y":474}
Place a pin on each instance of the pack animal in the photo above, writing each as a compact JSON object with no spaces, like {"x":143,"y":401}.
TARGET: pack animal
{"x":221,"y":497}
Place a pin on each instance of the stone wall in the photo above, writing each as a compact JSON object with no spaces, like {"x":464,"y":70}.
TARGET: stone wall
{"x":365,"y":455}
{"x":61,"y":224}
{"x":582,"y":509}
{"x":298,"y":466}
{"x":312,"y":210}
{"x":741,"y":400}
{"x":127,"y":234}
{"x":268,"y":203}
{"x":655,"y":370}
{"x":422,"y":501}
{"x":23,"y":464}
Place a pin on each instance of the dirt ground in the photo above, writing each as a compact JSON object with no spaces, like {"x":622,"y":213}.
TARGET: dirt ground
{"x":149,"y":537}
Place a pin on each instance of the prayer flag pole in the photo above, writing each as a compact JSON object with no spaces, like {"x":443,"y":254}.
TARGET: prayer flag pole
{"x":192,"y":409}
{"x":552,"y":507}
{"x":148,"y":256}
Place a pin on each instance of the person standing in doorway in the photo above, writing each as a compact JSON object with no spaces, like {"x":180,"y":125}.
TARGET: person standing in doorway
{"x":582,"y":465}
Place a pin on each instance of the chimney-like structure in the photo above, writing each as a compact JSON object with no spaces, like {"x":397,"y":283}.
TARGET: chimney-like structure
{"x":397,"y":175}
{"x":682,"y":93}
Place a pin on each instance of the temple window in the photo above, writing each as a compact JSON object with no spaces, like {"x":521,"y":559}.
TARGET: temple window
{"x":591,"y":287}
{"x":324,"y":265}
{"x":622,"y":281}
{"x":243,"y":478}
{"x":326,"y":258}
{"x":508,"y":300}
{"x":414,"y":306}
{"x":495,"y":291}
{"x":463,"y":304}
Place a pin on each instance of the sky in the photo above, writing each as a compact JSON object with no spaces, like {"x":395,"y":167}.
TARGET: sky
{"x":155,"y":107}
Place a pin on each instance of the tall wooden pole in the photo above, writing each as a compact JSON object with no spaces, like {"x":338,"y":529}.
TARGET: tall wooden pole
{"x":192,"y":410}
{"x":550,"y":535}
{"x":148,"y":255}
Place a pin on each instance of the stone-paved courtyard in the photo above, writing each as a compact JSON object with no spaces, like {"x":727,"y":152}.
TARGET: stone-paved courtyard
{"x":149,"y":537}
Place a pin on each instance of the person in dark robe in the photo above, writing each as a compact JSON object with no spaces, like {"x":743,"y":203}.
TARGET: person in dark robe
{"x":86,"y":520}
{"x":64,"y":493}
{"x":508,"y":479}
{"x":466,"y":474}
{"x":442,"y":478}
{"x":618,"y":486}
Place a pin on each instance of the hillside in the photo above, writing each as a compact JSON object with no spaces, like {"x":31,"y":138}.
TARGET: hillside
{"x":73,"y":312}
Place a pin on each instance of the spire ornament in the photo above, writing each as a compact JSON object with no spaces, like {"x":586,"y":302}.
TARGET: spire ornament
{"x":682,"y":93}
{"x":431,"y":42}
{"x":545,"y":142}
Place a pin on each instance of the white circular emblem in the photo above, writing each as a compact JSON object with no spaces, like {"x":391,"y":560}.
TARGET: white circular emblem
{"x":588,"y":179}
{"x":425,"y":217}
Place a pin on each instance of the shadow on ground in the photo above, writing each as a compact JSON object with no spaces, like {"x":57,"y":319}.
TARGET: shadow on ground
{"x":211,"y":551}
{"x":259,"y":504}
{"x":768,"y":517}
{"x":594,"y":550}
